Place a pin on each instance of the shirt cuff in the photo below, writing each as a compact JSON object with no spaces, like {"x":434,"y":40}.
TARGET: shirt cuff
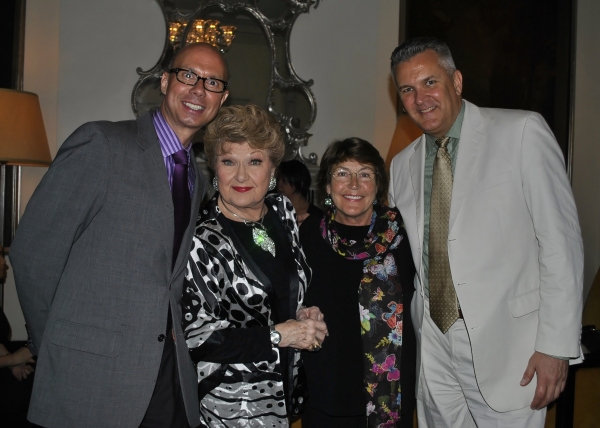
{"x":559,"y":358}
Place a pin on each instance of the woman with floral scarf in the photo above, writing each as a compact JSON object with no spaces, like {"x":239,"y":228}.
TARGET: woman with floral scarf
{"x":364,"y":374}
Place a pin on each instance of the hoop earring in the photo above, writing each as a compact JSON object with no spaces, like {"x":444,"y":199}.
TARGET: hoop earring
{"x":215,"y":184}
{"x":272,"y":183}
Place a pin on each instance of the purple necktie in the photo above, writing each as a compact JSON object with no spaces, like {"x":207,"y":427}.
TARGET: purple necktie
{"x":181,"y":199}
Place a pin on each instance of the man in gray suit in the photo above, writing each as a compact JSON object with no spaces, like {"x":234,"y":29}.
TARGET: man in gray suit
{"x":99,"y":261}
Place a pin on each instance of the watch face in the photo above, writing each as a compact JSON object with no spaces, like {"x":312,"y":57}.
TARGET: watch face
{"x":275,"y":337}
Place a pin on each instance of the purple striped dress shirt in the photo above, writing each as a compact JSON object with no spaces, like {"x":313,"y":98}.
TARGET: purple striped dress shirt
{"x":169,"y":144}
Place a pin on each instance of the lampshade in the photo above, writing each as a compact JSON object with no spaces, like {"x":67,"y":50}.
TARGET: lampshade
{"x":22,"y":135}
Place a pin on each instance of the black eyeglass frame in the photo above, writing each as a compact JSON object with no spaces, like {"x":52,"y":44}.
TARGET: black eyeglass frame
{"x":198,"y":78}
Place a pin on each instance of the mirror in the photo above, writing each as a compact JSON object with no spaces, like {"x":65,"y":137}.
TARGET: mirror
{"x":254,"y":36}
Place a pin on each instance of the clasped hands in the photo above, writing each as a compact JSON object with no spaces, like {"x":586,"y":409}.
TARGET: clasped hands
{"x":307,"y":331}
{"x":18,"y":362}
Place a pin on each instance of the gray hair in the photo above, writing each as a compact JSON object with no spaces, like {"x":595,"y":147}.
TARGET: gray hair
{"x":413,"y":47}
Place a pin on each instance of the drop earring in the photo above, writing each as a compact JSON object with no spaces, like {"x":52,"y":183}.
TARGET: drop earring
{"x":272,"y":183}
{"x":215,"y":184}
{"x":328,"y":201}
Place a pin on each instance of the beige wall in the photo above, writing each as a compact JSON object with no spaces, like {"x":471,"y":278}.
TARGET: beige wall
{"x":345,"y":46}
{"x":586,"y":147}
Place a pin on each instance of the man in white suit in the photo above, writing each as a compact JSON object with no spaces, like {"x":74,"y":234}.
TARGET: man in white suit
{"x":511,"y":245}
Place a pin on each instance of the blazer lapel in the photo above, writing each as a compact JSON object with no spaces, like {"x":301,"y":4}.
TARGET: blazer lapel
{"x":416,"y":165}
{"x":156,"y":179}
{"x":472,"y":136}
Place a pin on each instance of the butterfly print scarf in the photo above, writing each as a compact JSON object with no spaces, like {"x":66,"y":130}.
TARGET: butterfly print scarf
{"x":380,"y":308}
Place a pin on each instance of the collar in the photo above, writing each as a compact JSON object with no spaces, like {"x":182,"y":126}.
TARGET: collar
{"x":169,"y":142}
{"x":453,"y":133}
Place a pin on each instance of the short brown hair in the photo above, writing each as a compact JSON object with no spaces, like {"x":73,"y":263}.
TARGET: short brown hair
{"x":244,"y":124}
{"x":353,"y":149}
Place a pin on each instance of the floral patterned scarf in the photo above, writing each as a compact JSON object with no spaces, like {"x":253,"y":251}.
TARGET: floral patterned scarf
{"x":380,"y":307}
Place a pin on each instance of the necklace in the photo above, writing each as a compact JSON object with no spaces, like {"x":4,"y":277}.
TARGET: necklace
{"x":259,"y":233}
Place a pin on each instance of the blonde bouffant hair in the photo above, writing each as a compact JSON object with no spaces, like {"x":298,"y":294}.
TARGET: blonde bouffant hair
{"x":244,"y":124}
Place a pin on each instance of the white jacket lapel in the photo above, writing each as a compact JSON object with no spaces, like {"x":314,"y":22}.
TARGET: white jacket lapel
{"x":416,"y":165}
{"x":472,"y":136}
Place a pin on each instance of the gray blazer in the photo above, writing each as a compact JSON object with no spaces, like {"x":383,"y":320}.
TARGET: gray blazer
{"x":92,"y":263}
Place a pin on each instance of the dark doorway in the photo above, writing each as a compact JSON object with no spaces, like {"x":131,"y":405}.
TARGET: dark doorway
{"x":512,"y":53}
{"x":8,"y":43}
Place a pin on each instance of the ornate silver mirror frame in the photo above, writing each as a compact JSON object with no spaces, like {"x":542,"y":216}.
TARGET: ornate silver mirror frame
{"x":276,"y":18}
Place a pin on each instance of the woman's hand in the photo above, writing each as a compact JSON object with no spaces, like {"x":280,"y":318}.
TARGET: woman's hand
{"x":18,"y":362}
{"x":304,"y":334}
{"x":21,"y":356}
{"x":313,"y":313}
{"x":22,"y":371}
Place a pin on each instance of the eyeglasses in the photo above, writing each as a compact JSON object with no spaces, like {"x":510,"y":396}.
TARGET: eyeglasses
{"x":190,"y":78}
{"x":342,"y":175}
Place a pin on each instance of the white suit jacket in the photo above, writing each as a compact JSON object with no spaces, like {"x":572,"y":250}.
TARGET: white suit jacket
{"x":514,"y":245}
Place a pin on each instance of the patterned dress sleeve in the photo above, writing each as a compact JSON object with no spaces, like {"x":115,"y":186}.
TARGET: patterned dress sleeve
{"x":209,"y":318}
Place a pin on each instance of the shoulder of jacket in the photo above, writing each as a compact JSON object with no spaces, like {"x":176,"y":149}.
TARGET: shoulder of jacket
{"x":408,"y":151}
{"x":501,"y":115}
{"x":280,"y":204}
{"x":109,"y":126}
{"x":118,"y":129}
{"x":108,"y":131}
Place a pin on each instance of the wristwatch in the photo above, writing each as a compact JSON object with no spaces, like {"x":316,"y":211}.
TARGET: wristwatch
{"x":275,"y":337}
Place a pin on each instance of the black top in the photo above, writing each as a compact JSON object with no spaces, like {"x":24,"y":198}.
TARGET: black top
{"x":278,"y":273}
{"x":314,"y":210}
{"x":254,"y":344}
{"x":335,"y":374}
{"x":4,"y":329}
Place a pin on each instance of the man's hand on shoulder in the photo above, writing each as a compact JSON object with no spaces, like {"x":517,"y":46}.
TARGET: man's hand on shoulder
{"x":551,"y":375}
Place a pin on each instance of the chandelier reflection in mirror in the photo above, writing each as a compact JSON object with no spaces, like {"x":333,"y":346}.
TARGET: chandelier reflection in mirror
{"x":261,"y":70}
{"x":203,"y":30}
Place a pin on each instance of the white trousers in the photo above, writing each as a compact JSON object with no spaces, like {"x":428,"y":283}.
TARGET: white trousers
{"x":448,"y":394}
